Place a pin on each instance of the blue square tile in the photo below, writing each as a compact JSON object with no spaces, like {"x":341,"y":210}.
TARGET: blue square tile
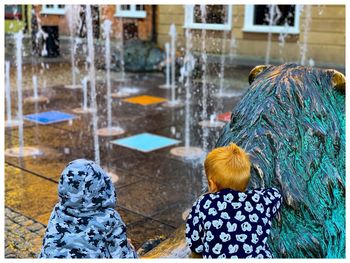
{"x":49,"y":117}
{"x":145,"y":142}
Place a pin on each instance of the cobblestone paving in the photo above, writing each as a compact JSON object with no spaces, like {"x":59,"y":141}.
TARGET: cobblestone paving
{"x":23,"y":235}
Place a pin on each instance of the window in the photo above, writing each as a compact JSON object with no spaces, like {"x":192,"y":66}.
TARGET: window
{"x":13,"y":12}
{"x":53,"y":9}
{"x":285,"y":19}
{"x":133,"y":11}
{"x":217,"y":17}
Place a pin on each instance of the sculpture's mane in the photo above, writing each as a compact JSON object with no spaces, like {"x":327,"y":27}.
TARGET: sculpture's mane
{"x":292,"y":123}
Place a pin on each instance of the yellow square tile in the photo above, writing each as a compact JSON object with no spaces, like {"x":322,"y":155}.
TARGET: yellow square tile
{"x":145,"y":100}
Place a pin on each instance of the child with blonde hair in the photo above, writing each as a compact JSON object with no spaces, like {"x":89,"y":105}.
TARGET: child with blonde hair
{"x":231,"y":221}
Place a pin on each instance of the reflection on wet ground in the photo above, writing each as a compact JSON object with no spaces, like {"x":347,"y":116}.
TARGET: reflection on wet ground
{"x":154,"y":189}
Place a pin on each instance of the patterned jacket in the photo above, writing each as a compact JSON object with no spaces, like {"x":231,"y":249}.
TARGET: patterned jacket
{"x":232,"y":224}
{"x":84,"y":223}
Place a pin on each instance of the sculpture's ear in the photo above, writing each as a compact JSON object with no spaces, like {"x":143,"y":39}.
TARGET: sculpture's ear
{"x":338,"y":80}
{"x":255,"y":72}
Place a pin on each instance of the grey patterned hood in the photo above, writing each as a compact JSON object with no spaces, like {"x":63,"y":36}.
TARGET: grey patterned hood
{"x":84,"y":187}
{"x":84,"y":223}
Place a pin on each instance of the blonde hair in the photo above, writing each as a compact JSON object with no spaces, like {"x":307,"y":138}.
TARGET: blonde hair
{"x":228,"y":167}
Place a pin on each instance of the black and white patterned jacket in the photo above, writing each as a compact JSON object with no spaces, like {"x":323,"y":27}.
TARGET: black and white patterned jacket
{"x":232,"y":224}
{"x":84,"y":223}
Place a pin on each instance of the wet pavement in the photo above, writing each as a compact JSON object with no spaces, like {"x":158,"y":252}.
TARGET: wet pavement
{"x":154,"y":189}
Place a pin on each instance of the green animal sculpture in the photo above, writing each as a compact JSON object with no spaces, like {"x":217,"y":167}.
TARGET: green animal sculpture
{"x":292,"y":123}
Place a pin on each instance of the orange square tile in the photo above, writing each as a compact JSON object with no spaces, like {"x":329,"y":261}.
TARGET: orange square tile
{"x":145,"y":100}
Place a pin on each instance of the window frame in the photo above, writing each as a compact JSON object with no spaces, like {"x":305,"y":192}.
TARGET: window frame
{"x":53,"y":11}
{"x":132,"y":13}
{"x":251,"y":28}
{"x":189,"y":18}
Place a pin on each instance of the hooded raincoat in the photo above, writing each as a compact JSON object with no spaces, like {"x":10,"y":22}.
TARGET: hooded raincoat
{"x":84,"y":223}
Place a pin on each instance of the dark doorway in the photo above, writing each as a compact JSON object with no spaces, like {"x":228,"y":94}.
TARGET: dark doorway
{"x":130,"y":31}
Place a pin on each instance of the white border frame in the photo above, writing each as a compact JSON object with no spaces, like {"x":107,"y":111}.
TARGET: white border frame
{"x":189,"y":21}
{"x":250,"y":27}
{"x":132,"y":13}
{"x":53,"y":11}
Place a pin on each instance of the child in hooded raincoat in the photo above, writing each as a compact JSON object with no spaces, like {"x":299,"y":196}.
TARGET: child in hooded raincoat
{"x":84,"y":223}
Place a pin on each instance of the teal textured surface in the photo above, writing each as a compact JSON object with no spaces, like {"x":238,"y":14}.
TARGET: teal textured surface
{"x":292,"y":123}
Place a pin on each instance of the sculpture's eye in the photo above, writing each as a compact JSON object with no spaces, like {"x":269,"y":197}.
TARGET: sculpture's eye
{"x":338,"y":80}
{"x":255,"y":72}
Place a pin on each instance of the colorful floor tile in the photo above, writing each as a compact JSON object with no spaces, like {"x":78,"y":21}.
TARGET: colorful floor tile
{"x":49,"y":117}
{"x":226,"y":116}
{"x":145,"y":142}
{"x":145,"y":100}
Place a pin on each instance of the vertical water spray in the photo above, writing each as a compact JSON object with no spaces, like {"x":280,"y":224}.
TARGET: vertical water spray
{"x":167,"y":64}
{"x":187,"y":151}
{"x":35,"y":86}
{"x":270,"y":20}
{"x":91,"y":52}
{"x":189,"y":65}
{"x":121,"y":50}
{"x":205,"y":131}
{"x":19,"y":38}
{"x":204,"y":80}
{"x":109,"y":130}
{"x":233,"y":46}
{"x":84,"y":83}
{"x":167,"y":84}
{"x":35,"y":98}
{"x":107,"y":24}
{"x":307,"y":22}
{"x":20,"y":151}
{"x":274,"y":15}
{"x":72,"y":15}
{"x":172,"y":34}
{"x":173,"y":101}
{"x":222,"y":66}
{"x":8,"y":92}
{"x":84,"y":109}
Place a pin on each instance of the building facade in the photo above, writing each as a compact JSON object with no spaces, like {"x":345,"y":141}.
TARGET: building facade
{"x":309,"y":34}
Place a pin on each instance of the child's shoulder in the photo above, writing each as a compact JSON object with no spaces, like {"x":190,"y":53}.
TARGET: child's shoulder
{"x":265,"y":191}
{"x":223,"y":195}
